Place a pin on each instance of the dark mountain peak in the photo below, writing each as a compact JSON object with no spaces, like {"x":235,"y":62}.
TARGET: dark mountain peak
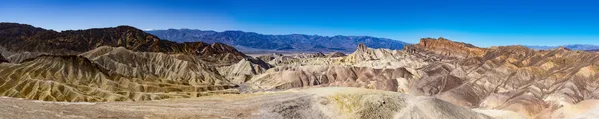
{"x":71,"y":42}
{"x":11,"y":24}
{"x":16,"y":29}
{"x":126,"y":27}
{"x":223,"y":48}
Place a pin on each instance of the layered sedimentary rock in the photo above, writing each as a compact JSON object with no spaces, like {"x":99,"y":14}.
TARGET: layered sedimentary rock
{"x":439,"y":78}
{"x":216,"y":52}
{"x":510,"y":77}
{"x":335,"y":54}
{"x":449,"y":48}
{"x":316,"y":75}
{"x":382,"y":58}
{"x":184,"y":69}
{"x":26,"y":38}
{"x":112,"y":74}
{"x":82,"y":65}
{"x":244,"y":70}
{"x":363,"y":53}
{"x":383,"y":69}
{"x":18,"y":57}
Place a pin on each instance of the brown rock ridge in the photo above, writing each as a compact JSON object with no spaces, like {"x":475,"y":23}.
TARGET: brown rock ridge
{"x":449,"y":48}
{"x":26,"y":38}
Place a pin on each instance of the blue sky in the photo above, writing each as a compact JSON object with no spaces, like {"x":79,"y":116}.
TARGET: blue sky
{"x":480,"y":22}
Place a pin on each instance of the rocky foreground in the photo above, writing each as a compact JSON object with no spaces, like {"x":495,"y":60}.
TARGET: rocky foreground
{"x":324,"y":103}
{"x":123,"y":72}
{"x":312,"y":103}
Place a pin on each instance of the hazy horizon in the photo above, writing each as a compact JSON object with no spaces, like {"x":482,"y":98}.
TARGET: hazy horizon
{"x":481,"y":23}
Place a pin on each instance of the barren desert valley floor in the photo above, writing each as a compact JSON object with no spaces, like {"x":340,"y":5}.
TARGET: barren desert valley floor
{"x":124,"y":72}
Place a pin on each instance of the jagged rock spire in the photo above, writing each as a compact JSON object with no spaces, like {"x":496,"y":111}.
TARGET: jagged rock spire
{"x":362,"y":47}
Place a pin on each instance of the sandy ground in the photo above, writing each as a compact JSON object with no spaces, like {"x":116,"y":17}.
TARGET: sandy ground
{"x":221,"y":106}
{"x":330,"y":102}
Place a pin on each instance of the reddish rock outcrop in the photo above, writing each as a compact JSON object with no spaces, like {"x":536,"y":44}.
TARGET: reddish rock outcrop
{"x":512,"y":78}
{"x":449,"y":48}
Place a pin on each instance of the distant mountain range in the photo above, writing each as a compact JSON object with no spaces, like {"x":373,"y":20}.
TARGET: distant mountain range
{"x":584,"y":47}
{"x":250,"y":41}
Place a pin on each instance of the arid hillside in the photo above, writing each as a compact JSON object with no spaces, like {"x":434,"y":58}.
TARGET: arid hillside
{"x":21,"y":38}
{"x":137,"y":75}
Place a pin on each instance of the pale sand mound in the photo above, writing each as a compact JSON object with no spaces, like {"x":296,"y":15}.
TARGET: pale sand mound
{"x":525,"y":104}
{"x":316,"y":103}
{"x":587,"y":109}
{"x":500,"y":114}
{"x":244,"y":70}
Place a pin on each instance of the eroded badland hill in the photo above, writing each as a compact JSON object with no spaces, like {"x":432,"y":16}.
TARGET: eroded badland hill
{"x":123,"y":72}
